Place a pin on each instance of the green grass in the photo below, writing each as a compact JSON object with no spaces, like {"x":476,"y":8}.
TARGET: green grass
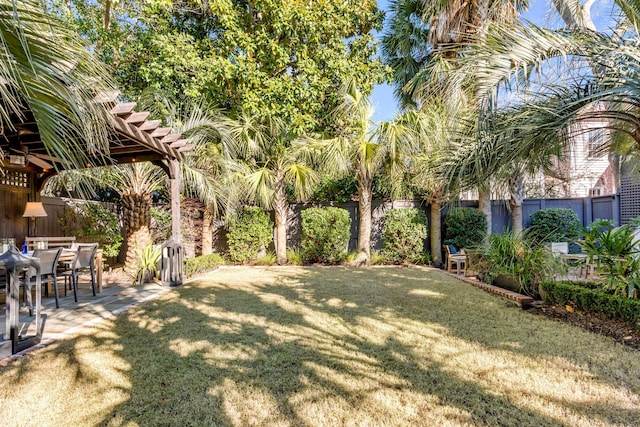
{"x":294,"y":346}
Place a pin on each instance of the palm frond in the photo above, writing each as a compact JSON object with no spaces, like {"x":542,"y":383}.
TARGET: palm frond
{"x":45,"y":67}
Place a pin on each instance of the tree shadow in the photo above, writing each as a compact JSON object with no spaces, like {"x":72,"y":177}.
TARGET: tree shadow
{"x":290,"y":347}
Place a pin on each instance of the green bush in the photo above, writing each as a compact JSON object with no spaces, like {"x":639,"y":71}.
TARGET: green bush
{"x":202,"y":264}
{"x":591,"y":297}
{"x":465,"y":228}
{"x":614,"y":251}
{"x":512,"y":255}
{"x":554,"y":225}
{"x":93,"y":222}
{"x":251,"y":232}
{"x":325,"y":234}
{"x":403,"y":237}
{"x":295,"y":256}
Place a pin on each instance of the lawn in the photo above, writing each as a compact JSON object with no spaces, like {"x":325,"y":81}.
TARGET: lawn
{"x":332,"y":346}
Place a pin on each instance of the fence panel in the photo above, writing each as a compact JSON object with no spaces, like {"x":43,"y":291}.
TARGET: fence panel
{"x":604,"y":207}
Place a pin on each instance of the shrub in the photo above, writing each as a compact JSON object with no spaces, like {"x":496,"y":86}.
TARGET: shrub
{"x":403,"y":237}
{"x":554,"y":225}
{"x":589,"y":296}
{"x":614,"y":251}
{"x":202,"y":264}
{"x":251,"y":232}
{"x":295,"y":256}
{"x":325,"y":234}
{"x":268,"y":258}
{"x":512,"y":255}
{"x":93,"y":222}
{"x":465,"y":228}
{"x":377,"y":258}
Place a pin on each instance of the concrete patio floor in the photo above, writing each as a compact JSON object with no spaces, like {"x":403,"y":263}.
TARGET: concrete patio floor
{"x":117,"y":295}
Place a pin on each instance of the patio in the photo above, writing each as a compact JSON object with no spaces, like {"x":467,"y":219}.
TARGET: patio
{"x":117,"y":295}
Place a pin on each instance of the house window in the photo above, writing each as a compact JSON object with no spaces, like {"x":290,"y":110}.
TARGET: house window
{"x":596,"y":191}
{"x":595,"y":143}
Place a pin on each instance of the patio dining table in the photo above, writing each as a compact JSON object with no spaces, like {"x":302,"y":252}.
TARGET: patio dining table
{"x":13,"y":262}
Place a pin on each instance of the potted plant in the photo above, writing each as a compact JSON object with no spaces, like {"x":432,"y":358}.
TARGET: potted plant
{"x":512,"y":262}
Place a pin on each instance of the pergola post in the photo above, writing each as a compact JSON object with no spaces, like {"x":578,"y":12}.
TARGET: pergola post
{"x":174,"y":180}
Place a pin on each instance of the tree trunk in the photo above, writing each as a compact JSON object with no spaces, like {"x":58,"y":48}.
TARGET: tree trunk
{"x":484,"y":205}
{"x":614,"y":163}
{"x":136,"y":216}
{"x":364,"y":224}
{"x":516,"y":190}
{"x":281,"y":208}
{"x":435,"y":233}
{"x":207,"y":231}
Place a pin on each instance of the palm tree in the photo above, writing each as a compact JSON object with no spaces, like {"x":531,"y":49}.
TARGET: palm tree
{"x":275,"y":157}
{"x":368,"y":147}
{"x":439,"y":135}
{"x":600,"y":71}
{"x":424,"y":42}
{"x":207,"y":171}
{"x":425,"y":37}
{"x":134,"y":183}
{"x":46,"y":68}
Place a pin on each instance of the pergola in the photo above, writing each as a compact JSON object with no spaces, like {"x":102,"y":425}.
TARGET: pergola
{"x":133,"y":138}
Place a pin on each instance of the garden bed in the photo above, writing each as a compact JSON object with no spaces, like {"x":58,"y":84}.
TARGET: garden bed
{"x":598,"y":323}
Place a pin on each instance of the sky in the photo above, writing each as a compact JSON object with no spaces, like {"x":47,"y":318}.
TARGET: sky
{"x":383,"y":98}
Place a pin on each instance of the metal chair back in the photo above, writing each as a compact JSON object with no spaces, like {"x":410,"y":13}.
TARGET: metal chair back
{"x":48,"y":259}
{"x":86,"y":254}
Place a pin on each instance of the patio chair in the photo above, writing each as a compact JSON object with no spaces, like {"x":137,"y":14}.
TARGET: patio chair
{"x":83,"y":261}
{"x":48,"y":274}
{"x":455,"y":257}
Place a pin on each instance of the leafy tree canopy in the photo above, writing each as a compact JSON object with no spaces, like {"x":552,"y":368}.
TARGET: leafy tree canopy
{"x":284,"y":58}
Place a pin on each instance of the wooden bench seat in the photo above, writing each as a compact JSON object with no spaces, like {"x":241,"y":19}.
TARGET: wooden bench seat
{"x":51,"y":242}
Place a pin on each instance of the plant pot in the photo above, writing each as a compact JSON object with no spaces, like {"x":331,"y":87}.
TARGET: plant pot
{"x":507,"y":281}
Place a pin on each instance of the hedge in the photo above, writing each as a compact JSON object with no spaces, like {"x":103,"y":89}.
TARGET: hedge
{"x":589,"y":296}
{"x":465,"y":228}
{"x":554,"y":225}
{"x":325,"y":234}
{"x":249,"y":233}
{"x":405,"y":231}
{"x":203,"y":264}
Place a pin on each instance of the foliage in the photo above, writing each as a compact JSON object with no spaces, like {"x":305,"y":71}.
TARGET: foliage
{"x":425,"y":37}
{"x":93,"y":222}
{"x":203,"y":263}
{"x":615,"y":252}
{"x":512,"y":255}
{"x":269,"y":258}
{"x":295,"y":256}
{"x":325,"y":234}
{"x":405,"y":231}
{"x":554,"y":225}
{"x":465,"y":228}
{"x":47,"y":69}
{"x":345,"y":189}
{"x":277,"y":58}
{"x":334,"y":190}
{"x":350,"y":258}
{"x":147,"y":263}
{"x":587,"y":296}
{"x":160,"y":223}
{"x":249,"y":233}
{"x":377,"y":258}
{"x":272,"y":156}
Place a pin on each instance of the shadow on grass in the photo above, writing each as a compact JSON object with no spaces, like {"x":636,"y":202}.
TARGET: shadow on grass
{"x":319,"y":346}
{"x":280,"y":345}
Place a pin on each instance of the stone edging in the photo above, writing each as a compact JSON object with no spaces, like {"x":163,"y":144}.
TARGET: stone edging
{"x":523,"y":301}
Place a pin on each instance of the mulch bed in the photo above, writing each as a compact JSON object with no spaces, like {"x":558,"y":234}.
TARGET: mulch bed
{"x":620,"y":331}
